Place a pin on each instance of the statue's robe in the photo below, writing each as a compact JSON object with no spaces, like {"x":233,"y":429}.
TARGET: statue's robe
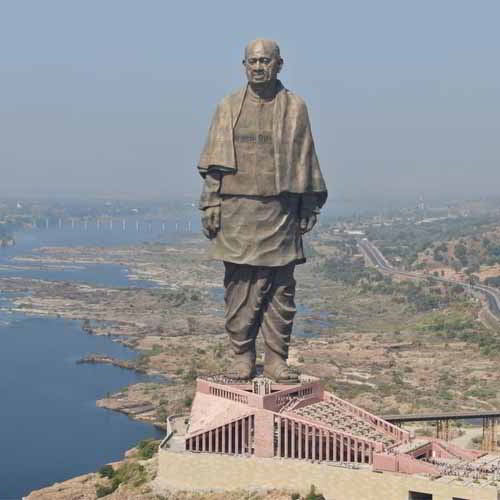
{"x":260,"y":166}
{"x":296,"y":164}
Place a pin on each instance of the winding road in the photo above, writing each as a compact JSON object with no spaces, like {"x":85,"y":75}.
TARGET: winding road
{"x":376,"y":257}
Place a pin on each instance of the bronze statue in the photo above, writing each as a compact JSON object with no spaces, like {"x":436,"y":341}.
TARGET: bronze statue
{"x":262,"y":191}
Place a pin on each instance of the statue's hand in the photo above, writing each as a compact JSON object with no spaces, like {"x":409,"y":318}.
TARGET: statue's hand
{"x":307,"y":223}
{"x":210,"y":221}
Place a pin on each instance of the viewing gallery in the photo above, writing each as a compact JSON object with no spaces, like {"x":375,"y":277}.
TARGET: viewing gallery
{"x":291,"y":429}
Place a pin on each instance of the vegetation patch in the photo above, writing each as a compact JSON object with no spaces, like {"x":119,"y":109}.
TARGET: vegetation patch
{"x":147,"y":448}
{"x":130,"y":472}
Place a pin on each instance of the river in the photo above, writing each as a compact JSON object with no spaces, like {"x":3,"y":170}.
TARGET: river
{"x":50,"y":427}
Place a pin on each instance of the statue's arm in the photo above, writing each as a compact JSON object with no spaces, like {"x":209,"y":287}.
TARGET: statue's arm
{"x":210,"y":202}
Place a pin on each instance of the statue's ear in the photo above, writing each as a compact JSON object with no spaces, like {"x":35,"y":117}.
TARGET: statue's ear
{"x":280,"y":66}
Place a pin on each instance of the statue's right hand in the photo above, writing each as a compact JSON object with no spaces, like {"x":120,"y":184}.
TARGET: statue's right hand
{"x":210,"y":221}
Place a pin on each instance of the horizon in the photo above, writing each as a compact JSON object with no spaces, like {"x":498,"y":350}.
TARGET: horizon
{"x":404,"y":99}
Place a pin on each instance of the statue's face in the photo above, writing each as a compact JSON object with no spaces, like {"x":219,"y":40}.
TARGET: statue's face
{"x":262,"y":65}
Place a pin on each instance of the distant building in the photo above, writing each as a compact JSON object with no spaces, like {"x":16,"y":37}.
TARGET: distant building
{"x":421,"y":203}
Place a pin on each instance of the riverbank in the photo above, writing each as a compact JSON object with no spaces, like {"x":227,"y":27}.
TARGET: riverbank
{"x":365,"y":346}
{"x":177,"y":327}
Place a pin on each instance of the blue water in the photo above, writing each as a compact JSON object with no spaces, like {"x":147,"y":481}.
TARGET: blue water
{"x":97,"y":274}
{"x":29,"y":242}
{"x":50,"y":427}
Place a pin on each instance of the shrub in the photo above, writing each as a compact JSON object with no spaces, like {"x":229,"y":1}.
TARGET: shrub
{"x":312,"y":495}
{"x":128,"y":472}
{"x":107,"y":471}
{"x":131,"y":472}
{"x":147,"y":448}
{"x":102,"y":491}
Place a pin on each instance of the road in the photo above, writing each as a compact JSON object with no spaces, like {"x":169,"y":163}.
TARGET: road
{"x":378,"y":260}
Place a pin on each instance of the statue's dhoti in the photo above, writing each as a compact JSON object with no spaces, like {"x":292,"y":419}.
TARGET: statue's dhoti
{"x":259,"y":298}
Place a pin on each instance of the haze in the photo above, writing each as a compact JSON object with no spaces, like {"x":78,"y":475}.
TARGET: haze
{"x":116,"y":97}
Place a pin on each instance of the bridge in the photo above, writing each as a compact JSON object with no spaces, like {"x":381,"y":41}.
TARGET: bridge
{"x":429,"y":417}
{"x":442,"y":420}
{"x":110,"y":223}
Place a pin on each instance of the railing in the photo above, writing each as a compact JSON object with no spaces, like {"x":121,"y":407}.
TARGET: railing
{"x":170,"y":430}
{"x":289,"y":405}
{"x":228,"y":394}
{"x":274,"y":402}
{"x":379,"y":423}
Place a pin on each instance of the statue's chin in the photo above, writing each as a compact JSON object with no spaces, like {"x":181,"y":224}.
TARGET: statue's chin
{"x":262,"y":83}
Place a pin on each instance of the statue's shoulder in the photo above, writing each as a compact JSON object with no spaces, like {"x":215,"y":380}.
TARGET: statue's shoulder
{"x":295,"y":99}
{"x":295,"y":104}
{"x":234,"y":98}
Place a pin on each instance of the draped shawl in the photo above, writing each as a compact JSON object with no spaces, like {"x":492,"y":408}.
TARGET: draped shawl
{"x":297,"y":166}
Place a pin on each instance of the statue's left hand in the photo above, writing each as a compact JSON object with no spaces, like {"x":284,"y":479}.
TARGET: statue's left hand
{"x":307,"y":223}
{"x":210,"y":221}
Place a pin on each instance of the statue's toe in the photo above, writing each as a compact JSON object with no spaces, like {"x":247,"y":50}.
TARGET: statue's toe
{"x":281,"y":372}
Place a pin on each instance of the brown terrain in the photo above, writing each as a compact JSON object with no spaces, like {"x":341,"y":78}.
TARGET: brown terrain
{"x":368,"y":347}
{"x":138,"y":483}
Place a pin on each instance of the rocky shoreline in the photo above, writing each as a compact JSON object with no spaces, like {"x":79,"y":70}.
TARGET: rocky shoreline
{"x":108,"y":360}
{"x":178,"y":330}
{"x":147,"y":320}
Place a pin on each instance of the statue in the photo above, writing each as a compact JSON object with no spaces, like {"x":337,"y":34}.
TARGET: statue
{"x":262,"y":191}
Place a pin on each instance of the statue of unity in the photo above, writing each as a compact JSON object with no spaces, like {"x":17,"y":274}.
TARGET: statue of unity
{"x":262,"y":191}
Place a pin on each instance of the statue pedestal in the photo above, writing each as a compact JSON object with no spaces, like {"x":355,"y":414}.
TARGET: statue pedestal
{"x":257,"y":434}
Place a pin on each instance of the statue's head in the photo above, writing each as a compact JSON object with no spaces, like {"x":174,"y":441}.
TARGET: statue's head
{"x":262,"y":61}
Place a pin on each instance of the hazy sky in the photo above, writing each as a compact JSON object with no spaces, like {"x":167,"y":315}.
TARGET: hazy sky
{"x":105,"y":96}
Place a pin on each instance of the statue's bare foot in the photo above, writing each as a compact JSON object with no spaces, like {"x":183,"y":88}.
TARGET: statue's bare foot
{"x":243,"y":367}
{"x":275,"y":368}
